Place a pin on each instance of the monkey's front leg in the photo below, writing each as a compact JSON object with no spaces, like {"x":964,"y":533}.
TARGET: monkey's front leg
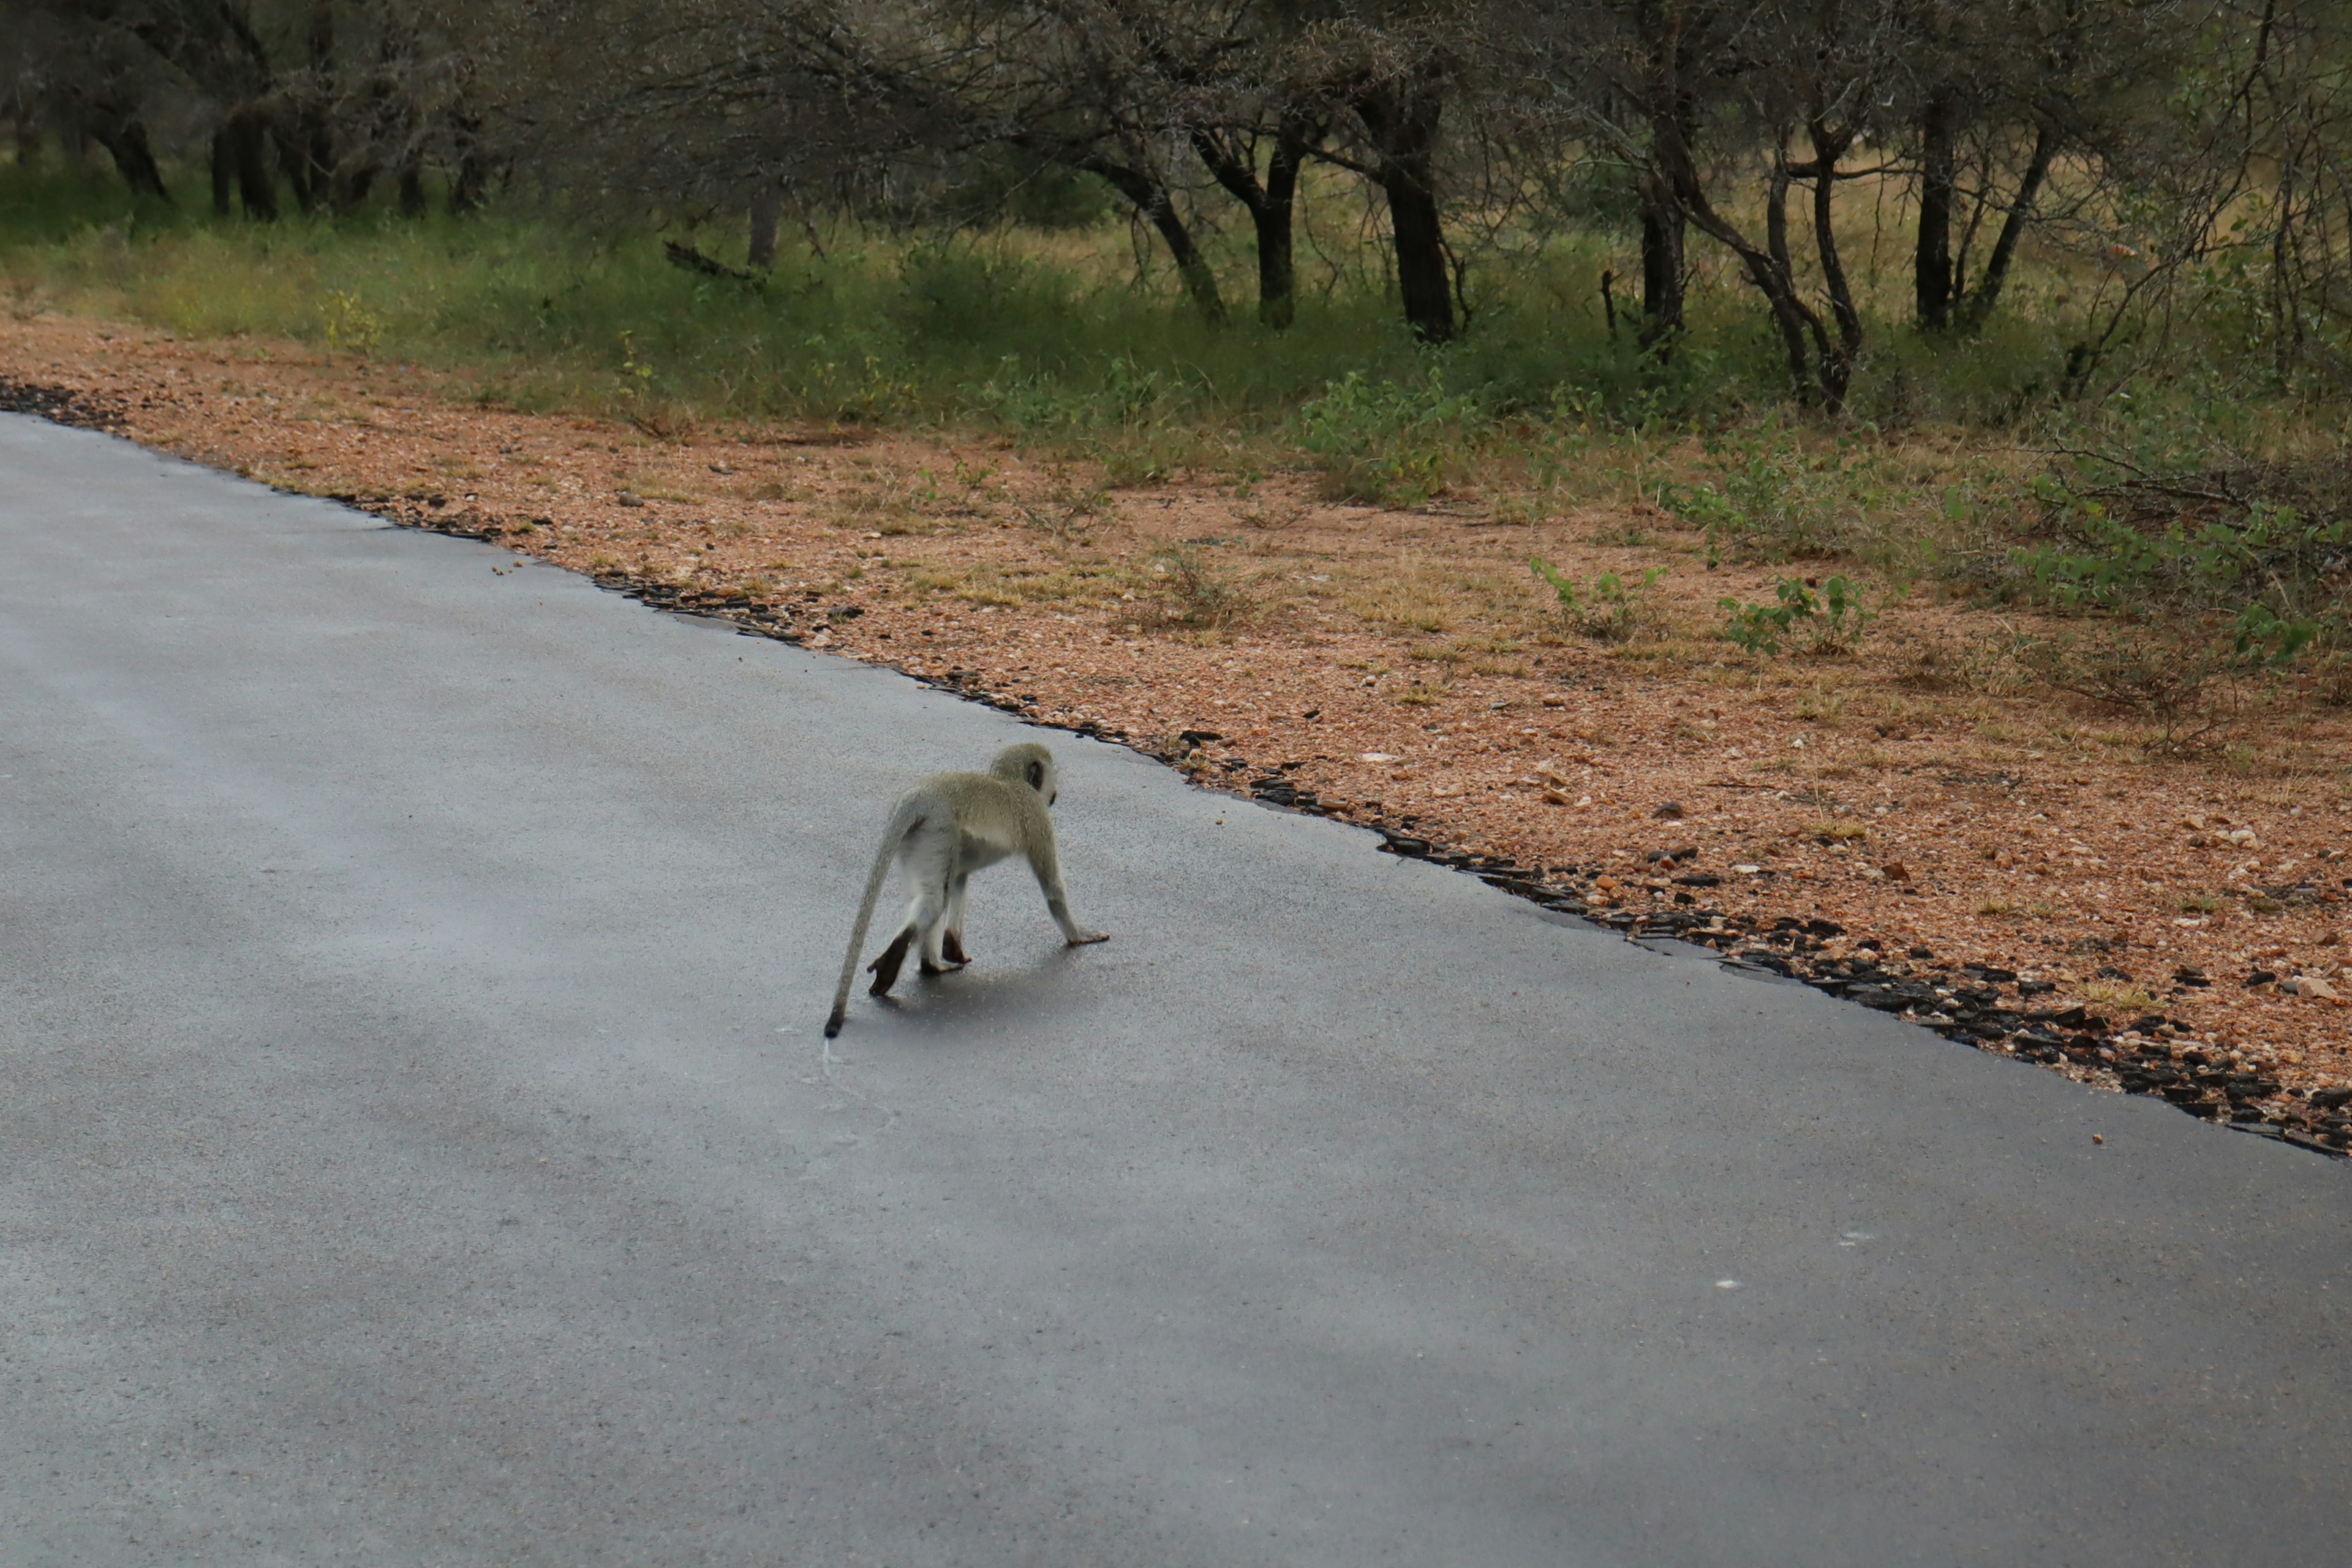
{"x":1057,"y":904}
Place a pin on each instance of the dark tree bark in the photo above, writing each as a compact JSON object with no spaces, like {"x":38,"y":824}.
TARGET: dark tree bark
{"x":308,"y":149}
{"x":1667,"y":101}
{"x":1402,"y":119}
{"x":1838,"y":358}
{"x":247,"y":133}
{"x":767,"y":207}
{"x":125,"y":139}
{"x":1151,"y":198}
{"x":1270,"y":204}
{"x":472,"y":182}
{"x":295,"y":164}
{"x":1663,"y":267}
{"x":1933,"y":284}
{"x":412,"y":187}
{"x":1977,"y":303}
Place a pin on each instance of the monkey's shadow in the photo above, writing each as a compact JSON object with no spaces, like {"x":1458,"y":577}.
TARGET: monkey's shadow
{"x":988,"y":998}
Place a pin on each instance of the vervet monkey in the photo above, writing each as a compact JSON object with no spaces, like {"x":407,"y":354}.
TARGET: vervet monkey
{"x":944,"y":830}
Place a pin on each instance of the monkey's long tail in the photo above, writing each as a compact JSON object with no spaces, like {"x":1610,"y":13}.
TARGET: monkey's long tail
{"x":904,"y":819}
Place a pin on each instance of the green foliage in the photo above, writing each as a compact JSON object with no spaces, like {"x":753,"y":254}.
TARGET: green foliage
{"x":1610,"y":610}
{"x":1383,"y":442}
{"x":1834,"y":617}
{"x":1773,"y":500}
{"x":2271,"y":565}
{"x":348,"y":323}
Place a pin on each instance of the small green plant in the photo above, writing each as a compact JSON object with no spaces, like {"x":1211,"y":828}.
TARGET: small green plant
{"x":2128,"y":997}
{"x":348,"y":324}
{"x":1611,"y":610}
{"x":1836,"y":616}
{"x":1193,"y":592}
{"x":634,"y":373}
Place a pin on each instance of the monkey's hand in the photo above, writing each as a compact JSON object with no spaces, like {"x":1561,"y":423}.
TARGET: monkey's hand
{"x":1087,"y":937}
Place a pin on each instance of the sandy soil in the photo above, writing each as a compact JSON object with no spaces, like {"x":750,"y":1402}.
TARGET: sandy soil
{"x":2029,"y":874}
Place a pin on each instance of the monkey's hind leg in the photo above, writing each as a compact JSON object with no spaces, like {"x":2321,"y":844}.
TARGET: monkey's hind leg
{"x":930,"y":867}
{"x":951,"y":938}
{"x":884,"y":969}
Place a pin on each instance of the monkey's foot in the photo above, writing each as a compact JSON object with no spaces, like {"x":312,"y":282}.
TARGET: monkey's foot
{"x":952,"y":948}
{"x":936,"y":969}
{"x":884,"y":969}
{"x":1086,"y":938}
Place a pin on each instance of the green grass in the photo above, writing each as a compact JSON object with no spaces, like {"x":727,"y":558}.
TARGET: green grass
{"x":1065,"y":340}
{"x":1050,"y":334}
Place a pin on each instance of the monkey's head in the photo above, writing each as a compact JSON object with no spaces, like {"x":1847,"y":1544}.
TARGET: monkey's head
{"x":1029,"y":763}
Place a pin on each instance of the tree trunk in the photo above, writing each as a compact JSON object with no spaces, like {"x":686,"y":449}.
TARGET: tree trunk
{"x":126,"y":140}
{"x":1663,"y":230}
{"x":1403,"y":123}
{"x":412,"y":187}
{"x":471,"y":182}
{"x":247,"y":133}
{"x":314,"y":137}
{"x":1933,"y":283}
{"x":1270,"y":205}
{"x":1277,"y":266}
{"x":1667,"y":103}
{"x":294,"y":163}
{"x":767,"y":206}
{"x":1838,"y":359}
{"x":1775,"y":274}
{"x":1977,"y":303}
{"x":352,"y":184}
{"x":1151,"y":199}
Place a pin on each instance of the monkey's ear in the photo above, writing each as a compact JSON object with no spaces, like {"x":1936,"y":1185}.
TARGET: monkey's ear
{"x":1036,"y":771}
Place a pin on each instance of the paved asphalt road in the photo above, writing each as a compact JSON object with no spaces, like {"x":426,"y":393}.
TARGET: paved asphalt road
{"x":414,"y":1148}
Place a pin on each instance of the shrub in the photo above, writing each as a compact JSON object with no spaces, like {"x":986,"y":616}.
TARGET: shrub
{"x":1834,"y":617}
{"x":1772,"y":501}
{"x":1611,"y":610}
{"x":1193,"y":592}
{"x":1381,"y":442}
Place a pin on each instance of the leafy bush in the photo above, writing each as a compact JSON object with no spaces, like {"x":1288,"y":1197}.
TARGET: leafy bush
{"x":1834,"y":617}
{"x":2283,"y":573}
{"x":1611,"y":610}
{"x":1773,"y":500}
{"x":1383,"y":442}
{"x":2166,"y":673}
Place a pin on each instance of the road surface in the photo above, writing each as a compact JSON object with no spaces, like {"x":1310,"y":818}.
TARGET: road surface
{"x":415,"y":1147}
